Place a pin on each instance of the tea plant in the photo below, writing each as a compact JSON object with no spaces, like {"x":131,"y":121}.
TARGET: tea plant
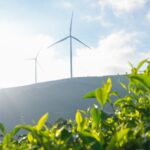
{"x":126,"y":128}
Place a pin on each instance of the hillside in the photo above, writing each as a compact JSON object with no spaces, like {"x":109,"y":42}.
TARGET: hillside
{"x":61,"y":98}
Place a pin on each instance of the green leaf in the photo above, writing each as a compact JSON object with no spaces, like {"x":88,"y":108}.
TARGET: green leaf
{"x":119,"y":139}
{"x":8,"y":136}
{"x":42,"y":122}
{"x":6,"y":139}
{"x":114,"y":93}
{"x":123,"y":85}
{"x":131,"y":64}
{"x":108,"y":86}
{"x":147,"y":70}
{"x":79,"y":120}
{"x":89,"y":95}
{"x":2,"y":128}
{"x":144,"y":79}
{"x":101,"y":96}
{"x":118,"y":101}
{"x":103,"y":93}
{"x":141,"y":64}
{"x":96,"y":115}
{"x":91,"y":135}
{"x":78,"y":117}
{"x":26,"y":127}
{"x":134,"y":71}
{"x":30,"y":137}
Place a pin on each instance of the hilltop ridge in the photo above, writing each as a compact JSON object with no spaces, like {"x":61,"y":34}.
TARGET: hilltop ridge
{"x":60,"y":98}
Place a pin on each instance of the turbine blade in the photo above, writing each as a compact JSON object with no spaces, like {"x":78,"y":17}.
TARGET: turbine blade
{"x":37,"y":54}
{"x":71,"y":24}
{"x":58,"y":41}
{"x":39,"y":65}
{"x":80,"y":42}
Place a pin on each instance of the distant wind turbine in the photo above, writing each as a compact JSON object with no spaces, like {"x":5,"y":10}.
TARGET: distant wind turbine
{"x":36,"y":63}
{"x":70,"y":37}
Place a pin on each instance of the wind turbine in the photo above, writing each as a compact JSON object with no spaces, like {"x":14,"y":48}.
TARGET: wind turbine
{"x":36,"y":63}
{"x":71,"y":37}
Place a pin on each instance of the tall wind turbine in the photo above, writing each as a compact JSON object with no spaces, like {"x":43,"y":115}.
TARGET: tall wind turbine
{"x":70,"y":36}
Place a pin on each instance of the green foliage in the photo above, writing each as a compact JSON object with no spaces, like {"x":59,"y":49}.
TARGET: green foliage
{"x":42,"y":122}
{"x":127,"y":128}
{"x":2,"y":129}
{"x":101,"y":94}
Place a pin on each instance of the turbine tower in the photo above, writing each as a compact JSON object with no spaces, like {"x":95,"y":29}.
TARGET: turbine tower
{"x":71,"y":37}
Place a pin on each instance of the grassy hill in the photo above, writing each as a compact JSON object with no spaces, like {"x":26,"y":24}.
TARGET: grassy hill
{"x":61,"y":98}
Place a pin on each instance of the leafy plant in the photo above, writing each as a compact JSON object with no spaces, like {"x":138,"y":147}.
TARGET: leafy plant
{"x":127,"y":128}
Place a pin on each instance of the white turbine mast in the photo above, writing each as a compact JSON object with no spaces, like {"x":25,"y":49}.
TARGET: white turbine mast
{"x":70,"y":36}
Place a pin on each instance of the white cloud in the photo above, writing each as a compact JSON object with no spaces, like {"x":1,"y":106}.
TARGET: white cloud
{"x":67,"y":4}
{"x":16,"y":46}
{"x":92,"y":3}
{"x":110,"y":57}
{"x":99,"y":19}
{"x":148,"y":16}
{"x":121,"y":6}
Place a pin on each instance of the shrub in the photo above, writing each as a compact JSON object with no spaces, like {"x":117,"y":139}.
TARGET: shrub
{"x":127,"y":128}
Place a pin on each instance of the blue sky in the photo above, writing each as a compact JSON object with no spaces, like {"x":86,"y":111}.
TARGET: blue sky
{"x":116,"y":30}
